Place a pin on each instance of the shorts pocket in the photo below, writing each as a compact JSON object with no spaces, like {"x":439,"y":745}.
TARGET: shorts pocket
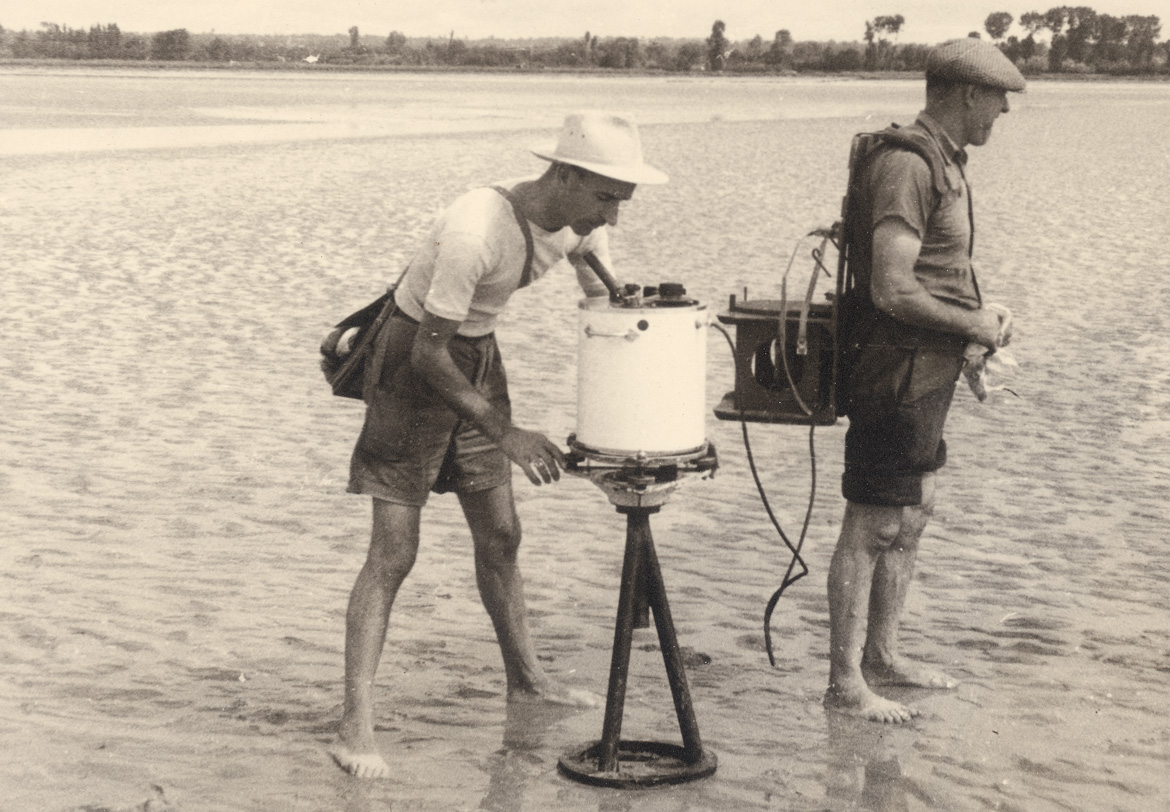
{"x":933,"y":370}
{"x":878,"y":379}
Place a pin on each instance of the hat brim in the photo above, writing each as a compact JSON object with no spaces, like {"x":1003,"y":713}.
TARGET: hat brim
{"x":629,"y":174}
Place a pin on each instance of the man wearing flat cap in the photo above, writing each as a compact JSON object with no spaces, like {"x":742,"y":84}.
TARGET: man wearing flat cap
{"x":914,"y":309}
{"x":438,"y":416}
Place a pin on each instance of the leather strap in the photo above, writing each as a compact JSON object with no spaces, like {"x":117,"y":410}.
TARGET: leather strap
{"x":526,"y":230}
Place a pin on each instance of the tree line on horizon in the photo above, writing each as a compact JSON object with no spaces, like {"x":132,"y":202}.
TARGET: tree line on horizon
{"x":1064,"y":39}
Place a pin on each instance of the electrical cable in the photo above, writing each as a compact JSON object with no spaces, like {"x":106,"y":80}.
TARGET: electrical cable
{"x":789,"y":578}
{"x":827,"y":235}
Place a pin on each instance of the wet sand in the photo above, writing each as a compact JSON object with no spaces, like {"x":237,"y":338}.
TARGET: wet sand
{"x":179,"y":548}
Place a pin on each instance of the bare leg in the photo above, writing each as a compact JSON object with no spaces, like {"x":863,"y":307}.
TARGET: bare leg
{"x":495,"y":530}
{"x":881,"y":663}
{"x":867,"y":531}
{"x":393,"y":546}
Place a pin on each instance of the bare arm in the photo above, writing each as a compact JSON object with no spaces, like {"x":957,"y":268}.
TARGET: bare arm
{"x":539,"y":458}
{"x":591,"y":282}
{"x":897,"y":292}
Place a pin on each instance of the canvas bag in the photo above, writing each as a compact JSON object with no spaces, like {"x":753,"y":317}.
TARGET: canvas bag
{"x":345,"y":372}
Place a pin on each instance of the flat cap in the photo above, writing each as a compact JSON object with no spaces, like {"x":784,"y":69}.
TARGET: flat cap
{"x":973,"y":61}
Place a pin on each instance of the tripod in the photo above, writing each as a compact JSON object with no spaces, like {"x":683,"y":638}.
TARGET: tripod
{"x":638,"y":491}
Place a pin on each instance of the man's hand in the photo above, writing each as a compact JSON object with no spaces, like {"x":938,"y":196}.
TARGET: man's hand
{"x":536,"y":455}
{"x":1004,"y":336}
{"x":540,"y":460}
{"x":986,"y":328}
{"x":993,"y":328}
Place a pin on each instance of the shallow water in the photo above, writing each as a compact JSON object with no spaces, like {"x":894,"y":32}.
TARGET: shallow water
{"x":179,"y":547}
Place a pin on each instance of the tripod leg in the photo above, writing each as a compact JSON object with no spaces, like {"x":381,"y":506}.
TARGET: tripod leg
{"x":668,"y":641}
{"x":637,"y":530}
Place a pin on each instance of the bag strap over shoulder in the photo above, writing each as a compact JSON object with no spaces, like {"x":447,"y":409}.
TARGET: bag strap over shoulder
{"x":526,"y":230}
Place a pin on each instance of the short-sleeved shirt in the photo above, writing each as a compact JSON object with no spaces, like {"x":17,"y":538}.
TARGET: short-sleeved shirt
{"x":471,"y":263}
{"x":901,"y":378}
{"x":899,"y":185}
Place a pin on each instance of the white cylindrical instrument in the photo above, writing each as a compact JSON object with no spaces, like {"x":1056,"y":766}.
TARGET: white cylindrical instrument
{"x":641,"y":378}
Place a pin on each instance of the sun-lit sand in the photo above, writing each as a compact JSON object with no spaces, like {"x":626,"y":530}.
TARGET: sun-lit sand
{"x":179,"y":547}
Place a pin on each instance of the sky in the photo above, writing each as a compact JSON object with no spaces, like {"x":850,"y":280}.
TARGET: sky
{"x":927,"y":21}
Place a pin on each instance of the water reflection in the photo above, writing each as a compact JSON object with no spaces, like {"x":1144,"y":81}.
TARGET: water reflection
{"x":865,"y":764}
{"x":355,"y":796}
{"x":522,"y":761}
{"x":522,"y":755}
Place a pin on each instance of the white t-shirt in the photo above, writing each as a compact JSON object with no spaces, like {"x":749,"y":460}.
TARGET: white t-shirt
{"x":472,"y":261}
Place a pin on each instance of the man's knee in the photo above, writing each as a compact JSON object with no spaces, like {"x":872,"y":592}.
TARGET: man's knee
{"x":916,"y":517}
{"x":888,"y":529}
{"x":497,"y":538}
{"x":391,"y":559}
{"x":495,"y":526}
{"x":393,"y":540}
{"x":876,"y":526}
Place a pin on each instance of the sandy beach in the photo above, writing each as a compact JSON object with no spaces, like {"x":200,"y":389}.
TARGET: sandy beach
{"x":179,"y":548}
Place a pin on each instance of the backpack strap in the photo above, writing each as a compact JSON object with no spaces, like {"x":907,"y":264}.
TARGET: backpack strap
{"x":926,"y":148}
{"x":526,"y":230}
{"x":922,"y":145}
{"x":865,"y":145}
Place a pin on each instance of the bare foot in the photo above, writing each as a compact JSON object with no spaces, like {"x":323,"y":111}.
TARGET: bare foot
{"x":359,"y":763}
{"x":902,"y":672}
{"x":356,"y":752}
{"x":868,"y":705}
{"x":556,"y":695}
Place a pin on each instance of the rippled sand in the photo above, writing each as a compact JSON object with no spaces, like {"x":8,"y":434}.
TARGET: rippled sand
{"x":179,"y":548}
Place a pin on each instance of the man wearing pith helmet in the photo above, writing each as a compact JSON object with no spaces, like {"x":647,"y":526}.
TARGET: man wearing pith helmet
{"x":915,"y":310}
{"x":438,"y":417}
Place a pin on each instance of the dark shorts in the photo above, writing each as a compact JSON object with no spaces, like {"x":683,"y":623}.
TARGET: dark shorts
{"x":412,"y":443}
{"x":900,"y":392}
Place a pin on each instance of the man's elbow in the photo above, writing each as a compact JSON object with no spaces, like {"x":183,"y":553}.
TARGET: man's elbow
{"x":422,"y":357}
{"x":888,"y":301}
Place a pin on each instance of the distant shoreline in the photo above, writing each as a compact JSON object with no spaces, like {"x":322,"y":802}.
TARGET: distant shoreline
{"x":287,"y":67}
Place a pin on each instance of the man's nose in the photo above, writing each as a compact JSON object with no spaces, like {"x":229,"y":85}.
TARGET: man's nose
{"x":1007,"y":107}
{"x":611,"y":212}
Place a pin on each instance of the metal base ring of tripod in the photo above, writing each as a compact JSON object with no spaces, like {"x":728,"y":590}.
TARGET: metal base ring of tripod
{"x":641,"y":764}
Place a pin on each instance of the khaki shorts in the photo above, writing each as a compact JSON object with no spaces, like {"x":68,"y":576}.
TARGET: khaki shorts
{"x":413,"y":443}
{"x":901,"y":386}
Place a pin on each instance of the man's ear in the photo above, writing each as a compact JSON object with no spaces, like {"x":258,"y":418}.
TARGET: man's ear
{"x":569,"y":175}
